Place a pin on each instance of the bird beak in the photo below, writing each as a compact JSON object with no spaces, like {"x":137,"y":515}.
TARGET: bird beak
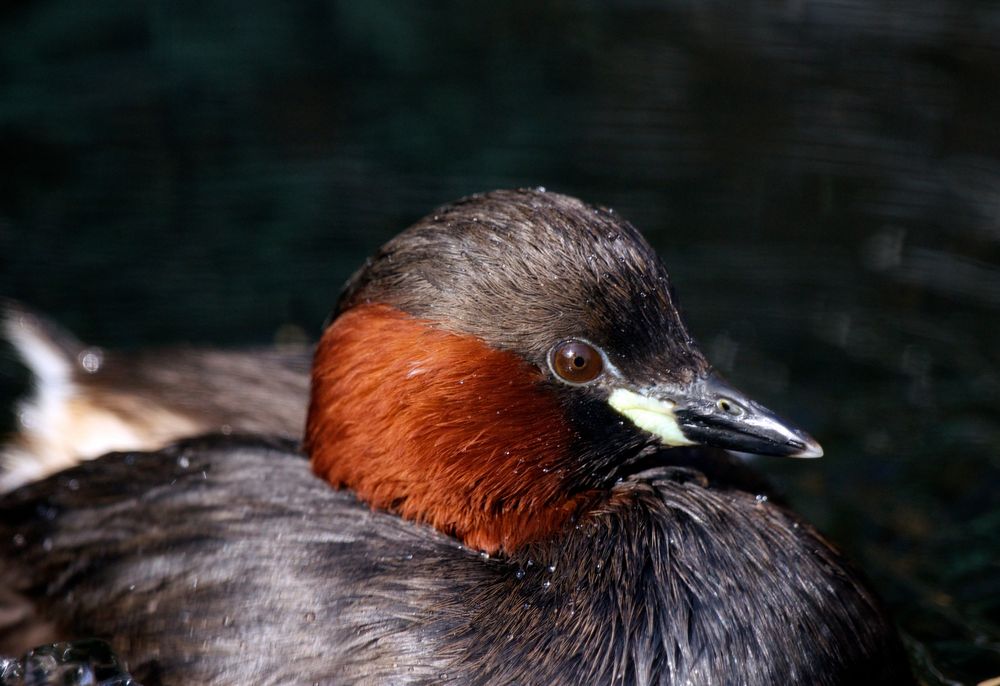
{"x":711,"y":412}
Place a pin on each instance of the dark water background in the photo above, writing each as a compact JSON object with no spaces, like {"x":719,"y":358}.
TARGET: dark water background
{"x":822,"y":178}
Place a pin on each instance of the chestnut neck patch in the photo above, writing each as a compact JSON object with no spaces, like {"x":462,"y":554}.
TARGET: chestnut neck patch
{"x":440,"y":428}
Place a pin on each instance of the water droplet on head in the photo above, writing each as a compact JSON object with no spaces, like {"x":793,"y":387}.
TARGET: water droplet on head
{"x":546,"y":583}
{"x":519,"y":574}
{"x":183,"y":462}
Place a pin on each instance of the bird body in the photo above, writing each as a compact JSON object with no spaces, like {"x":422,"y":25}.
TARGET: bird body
{"x":223,"y":560}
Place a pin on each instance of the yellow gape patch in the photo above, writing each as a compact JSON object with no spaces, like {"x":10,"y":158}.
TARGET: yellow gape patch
{"x":652,"y":415}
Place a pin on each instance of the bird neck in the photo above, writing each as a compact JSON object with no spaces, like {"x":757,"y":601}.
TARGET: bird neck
{"x":440,"y":428}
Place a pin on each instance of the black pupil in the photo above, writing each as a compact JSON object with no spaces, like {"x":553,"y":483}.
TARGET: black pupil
{"x":579,"y":362}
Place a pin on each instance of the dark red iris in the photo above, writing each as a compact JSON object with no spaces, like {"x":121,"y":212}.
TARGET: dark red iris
{"x":576,"y":362}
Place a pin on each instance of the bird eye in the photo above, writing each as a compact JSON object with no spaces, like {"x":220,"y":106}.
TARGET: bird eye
{"x":576,"y":362}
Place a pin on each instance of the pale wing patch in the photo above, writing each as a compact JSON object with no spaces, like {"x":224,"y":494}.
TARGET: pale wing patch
{"x":60,"y":435}
{"x":60,"y":425}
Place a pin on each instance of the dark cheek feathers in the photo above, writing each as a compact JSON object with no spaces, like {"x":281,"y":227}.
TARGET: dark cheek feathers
{"x":441,"y":429}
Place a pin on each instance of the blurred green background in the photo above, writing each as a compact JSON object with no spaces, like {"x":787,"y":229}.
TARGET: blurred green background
{"x":822,"y":179}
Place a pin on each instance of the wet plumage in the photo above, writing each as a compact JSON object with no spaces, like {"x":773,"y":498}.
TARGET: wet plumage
{"x":225,"y":560}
